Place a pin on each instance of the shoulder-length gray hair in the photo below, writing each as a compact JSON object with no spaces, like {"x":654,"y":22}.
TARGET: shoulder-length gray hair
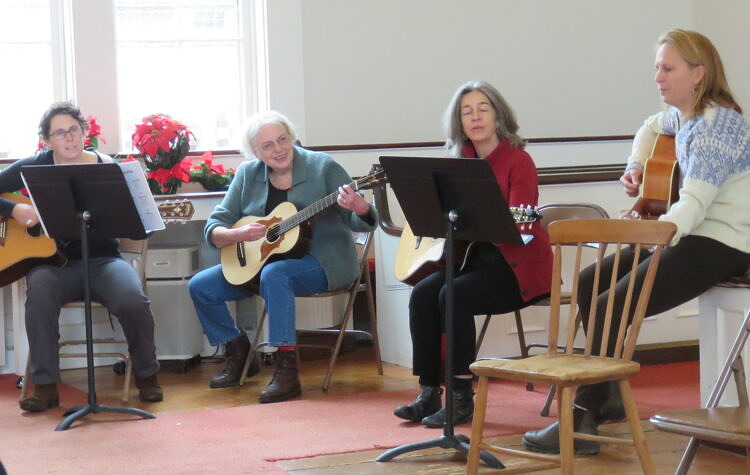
{"x":505,"y":120}
{"x":257,"y":121}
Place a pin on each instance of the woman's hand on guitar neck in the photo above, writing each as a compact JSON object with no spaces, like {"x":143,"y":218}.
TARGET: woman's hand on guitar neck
{"x":25,"y":214}
{"x":351,"y":200}
{"x":631,"y":180}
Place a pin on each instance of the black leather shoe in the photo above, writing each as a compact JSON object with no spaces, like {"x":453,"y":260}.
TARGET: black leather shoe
{"x":547,"y":440}
{"x":601,"y":399}
{"x":285,"y":383}
{"x":463,"y":410}
{"x":426,"y":404}
{"x":237,"y":350}
{"x":612,"y":410}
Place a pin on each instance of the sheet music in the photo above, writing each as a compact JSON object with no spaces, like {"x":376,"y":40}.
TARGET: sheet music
{"x":141,"y":194}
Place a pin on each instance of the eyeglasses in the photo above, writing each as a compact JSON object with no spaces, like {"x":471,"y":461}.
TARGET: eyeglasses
{"x":281,"y":142}
{"x":74,"y":131}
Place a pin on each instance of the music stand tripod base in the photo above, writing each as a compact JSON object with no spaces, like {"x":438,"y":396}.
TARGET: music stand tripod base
{"x":75,"y":413}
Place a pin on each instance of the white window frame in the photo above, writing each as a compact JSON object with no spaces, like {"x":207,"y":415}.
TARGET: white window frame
{"x":85,"y":69}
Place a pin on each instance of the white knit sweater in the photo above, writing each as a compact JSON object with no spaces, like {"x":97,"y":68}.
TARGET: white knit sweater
{"x":713,"y":151}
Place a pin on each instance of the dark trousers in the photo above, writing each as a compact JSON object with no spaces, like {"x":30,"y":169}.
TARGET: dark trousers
{"x":115,"y":284}
{"x":486,"y":284}
{"x":685,"y":271}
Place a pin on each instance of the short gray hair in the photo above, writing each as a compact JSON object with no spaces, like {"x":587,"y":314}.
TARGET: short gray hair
{"x":254,"y":125}
{"x":506,"y":125}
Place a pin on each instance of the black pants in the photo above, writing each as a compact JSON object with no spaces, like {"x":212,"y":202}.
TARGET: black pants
{"x":485,"y":285}
{"x":685,"y":271}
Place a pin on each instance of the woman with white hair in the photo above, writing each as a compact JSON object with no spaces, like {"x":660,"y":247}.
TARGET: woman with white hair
{"x":280,"y":172}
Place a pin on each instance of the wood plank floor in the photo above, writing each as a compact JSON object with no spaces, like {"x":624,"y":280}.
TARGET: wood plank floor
{"x":355,"y":373}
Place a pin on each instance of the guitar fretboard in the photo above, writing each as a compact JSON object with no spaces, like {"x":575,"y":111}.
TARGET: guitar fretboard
{"x":310,"y":211}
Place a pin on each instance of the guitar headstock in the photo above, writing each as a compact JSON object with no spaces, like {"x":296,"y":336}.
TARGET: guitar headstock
{"x":176,"y":211}
{"x":524,"y":215}
{"x":375,"y":177}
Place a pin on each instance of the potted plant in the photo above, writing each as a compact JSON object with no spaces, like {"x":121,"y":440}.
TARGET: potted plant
{"x":212,"y":176}
{"x":164,"y":143}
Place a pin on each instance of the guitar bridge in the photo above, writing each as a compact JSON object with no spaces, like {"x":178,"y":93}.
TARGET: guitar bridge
{"x":241,"y":253}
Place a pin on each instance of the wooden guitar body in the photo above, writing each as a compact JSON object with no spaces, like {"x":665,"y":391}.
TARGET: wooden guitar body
{"x":242,"y":261}
{"x":22,"y":248}
{"x":661,"y":180}
{"x":417,"y":256}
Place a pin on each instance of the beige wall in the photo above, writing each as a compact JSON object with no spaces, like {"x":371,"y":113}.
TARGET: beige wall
{"x":382,"y":72}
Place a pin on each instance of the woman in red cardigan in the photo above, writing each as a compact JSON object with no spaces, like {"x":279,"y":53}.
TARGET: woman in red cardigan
{"x":497,"y":278}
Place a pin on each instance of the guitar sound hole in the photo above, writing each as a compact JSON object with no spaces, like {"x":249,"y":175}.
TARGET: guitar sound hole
{"x":273,"y":234}
{"x":35,"y":231}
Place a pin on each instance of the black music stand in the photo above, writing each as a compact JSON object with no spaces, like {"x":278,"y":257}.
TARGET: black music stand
{"x":82,"y":202}
{"x":454,"y":199}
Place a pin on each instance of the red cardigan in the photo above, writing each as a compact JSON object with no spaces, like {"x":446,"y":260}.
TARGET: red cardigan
{"x":517,"y":177}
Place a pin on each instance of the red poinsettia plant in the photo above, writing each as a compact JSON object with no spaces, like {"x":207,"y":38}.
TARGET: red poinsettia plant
{"x":93,"y":135}
{"x":213,"y":176}
{"x":164,"y":143}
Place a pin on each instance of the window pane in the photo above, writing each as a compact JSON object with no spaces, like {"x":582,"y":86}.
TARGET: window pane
{"x":182,"y":58}
{"x":27,"y":83}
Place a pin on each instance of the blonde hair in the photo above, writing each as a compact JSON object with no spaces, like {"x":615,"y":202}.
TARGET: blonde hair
{"x":698,"y":50}
{"x":506,"y":126}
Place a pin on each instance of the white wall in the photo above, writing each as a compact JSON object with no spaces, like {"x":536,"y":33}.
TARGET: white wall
{"x":382,"y":72}
{"x":726,"y":23}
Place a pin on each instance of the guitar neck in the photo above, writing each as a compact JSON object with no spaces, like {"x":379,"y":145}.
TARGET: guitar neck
{"x":312,"y":210}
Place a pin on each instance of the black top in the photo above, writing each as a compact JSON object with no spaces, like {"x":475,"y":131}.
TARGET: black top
{"x":275,"y":197}
{"x":10,"y":180}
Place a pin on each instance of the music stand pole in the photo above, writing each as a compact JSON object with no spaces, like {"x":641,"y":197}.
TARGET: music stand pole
{"x":449,"y":439}
{"x":91,"y":406}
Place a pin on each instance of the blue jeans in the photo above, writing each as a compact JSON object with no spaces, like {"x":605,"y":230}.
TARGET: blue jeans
{"x":280,"y":282}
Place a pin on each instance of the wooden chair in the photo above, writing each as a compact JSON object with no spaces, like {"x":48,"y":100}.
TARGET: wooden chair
{"x":724,"y":425}
{"x":363,"y":242}
{"x":550,"y":212}
{"x":568,"y":370}
{"x":134,"y":251}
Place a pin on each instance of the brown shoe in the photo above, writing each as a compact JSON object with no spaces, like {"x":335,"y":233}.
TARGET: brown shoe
{"x":149,"y":389}
{"x":45,"y":397}
{"x":236,"y":354}
{"x":285,"y":383}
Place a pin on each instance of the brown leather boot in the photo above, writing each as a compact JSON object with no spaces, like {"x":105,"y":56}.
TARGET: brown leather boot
{"x":236,"y":353}
{"x":149,"y":389}
{"x":285,"y":383}
{"x":45,"y":397}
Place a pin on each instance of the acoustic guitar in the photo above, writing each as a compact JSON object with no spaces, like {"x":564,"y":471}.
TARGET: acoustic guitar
{"x":418,"y":256}
{"x":661,"y":180}
{"x":241,"y":262}
{"x":22,"y":248}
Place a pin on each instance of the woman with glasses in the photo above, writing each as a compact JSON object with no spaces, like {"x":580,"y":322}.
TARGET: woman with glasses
{"x":279,"y":171}
{"x":114,"y":282}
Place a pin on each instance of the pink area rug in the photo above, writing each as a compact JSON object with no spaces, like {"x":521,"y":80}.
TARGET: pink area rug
{"x":250,"y":439}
